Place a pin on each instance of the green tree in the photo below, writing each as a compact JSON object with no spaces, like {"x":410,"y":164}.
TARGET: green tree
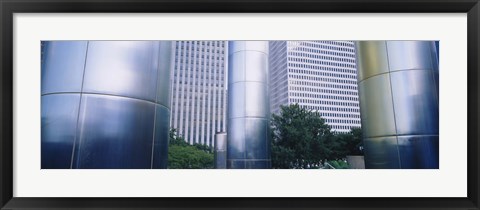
{"x":300,"y":138}
{"x":347,"y":144}
{"x":182,"y":155}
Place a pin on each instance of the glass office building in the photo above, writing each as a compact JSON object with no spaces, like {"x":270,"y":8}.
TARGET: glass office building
{"x":199,"y":90}
{"x":319,"y":76}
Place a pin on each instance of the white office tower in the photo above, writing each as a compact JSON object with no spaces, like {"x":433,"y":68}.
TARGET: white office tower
{"x":199,"y":90}
{"x":319,"y":76}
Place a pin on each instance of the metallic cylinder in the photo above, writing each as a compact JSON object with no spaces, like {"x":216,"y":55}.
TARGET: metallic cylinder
{"x":105,"y":104}
{"x":248,"y":144}
{"x":221,"y":150}
{"x":398,"y":93}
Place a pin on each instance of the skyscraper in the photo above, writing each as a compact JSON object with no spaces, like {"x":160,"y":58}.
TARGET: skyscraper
{"x":317,"y":75}
{"x":199,"y":90}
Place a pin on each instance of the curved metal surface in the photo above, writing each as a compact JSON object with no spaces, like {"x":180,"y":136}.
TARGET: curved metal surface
{"x":64,"y":62}
{"x":221,"y":150}
{"x":248,"y":106}
{"x":398,"y":89}
{"x":117,"y":113}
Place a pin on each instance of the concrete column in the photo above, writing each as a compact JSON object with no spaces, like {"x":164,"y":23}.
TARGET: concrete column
{"x":248,"y":144}
{"x":398,"y":93}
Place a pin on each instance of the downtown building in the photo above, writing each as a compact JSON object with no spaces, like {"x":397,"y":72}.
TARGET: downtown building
{"x":319,"y":76}
{"x":199,"y":95}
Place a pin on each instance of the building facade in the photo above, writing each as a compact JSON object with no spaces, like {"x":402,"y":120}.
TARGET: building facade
{"x":199,"y":90}
{"x":319,"y":76}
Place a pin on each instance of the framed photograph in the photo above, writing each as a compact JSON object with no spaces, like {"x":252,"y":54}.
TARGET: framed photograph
{"x":160,"y":104}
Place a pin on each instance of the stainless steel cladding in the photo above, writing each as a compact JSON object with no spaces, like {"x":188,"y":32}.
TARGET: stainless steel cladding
{"x":248,"y":144}
{"x":221,"y":150}
{"x":398,"y":88}
{"x":105,"y":104}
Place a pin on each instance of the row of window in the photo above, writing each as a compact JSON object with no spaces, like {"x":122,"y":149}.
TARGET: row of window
{"x":342,"y":127}
{"x":324,"y":73}
{"x":311,"y":52}
{"x":324,"y":79}
{"x":325,"y":85}
{"x":322,"y":108}
{"x":324,"y":102}
{"x":315,"y":99}
{"x":313,"y":64}
{"x":342,"y":121}
{"x":320,"y":57}
{"x":203,"y":43}
{"x":311,"y":47}
{"x":342,"y":115}
{"x":322,"y":90}
{"x":187,"y":56}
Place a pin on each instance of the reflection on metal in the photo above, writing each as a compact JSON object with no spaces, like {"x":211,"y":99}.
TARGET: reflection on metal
{"x":398,"y":89}
{"x":248,"y":144}
{"x":221,"y":150}
{"x":105,"y":104}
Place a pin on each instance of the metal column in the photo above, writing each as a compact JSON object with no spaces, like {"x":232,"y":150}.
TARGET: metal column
{"x":221,"y":150}
{"x":105,"y":104}
{"x":248,"y":144}
{"x":398,"y":93}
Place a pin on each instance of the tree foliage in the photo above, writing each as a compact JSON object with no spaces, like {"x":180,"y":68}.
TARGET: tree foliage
{"x":182,"y":155}
{"x":299,"y":138}
{"x":302,"y":139}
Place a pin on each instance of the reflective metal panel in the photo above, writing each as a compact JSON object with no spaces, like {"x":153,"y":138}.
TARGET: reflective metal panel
{"x":236,"y":100}
{"x":164,"y":73}
{"x":419,"y":152}
{"x":371,"y":58}
{"x":257,"y":66}
{"x":237,"y":62}
{"x":256,"y":140}
{"x":404,"y":55}
{"x":256,"y":100}
{"x":236,"y":46}
{"x":59,"y":122}
{"x":248,"y":105}
{"x":376,"y":106}
{"x":416,"y":106}
{"x":114,"y":132}
{"x":236,"y":138}
{"x":221,"y":150}
{"x":125,"y":68}
{"x":412,"y":84}
{"x":63,"y":66}
{"x":162,"y":128}
{"x":381,"y":153}
{"x":235,"y":164}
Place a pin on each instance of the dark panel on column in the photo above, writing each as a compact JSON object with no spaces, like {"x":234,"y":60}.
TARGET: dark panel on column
{"x":114,"y":132}
{"x":59,"y":121}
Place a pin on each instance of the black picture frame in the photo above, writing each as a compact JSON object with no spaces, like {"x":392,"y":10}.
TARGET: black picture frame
{"x":10,"y":7}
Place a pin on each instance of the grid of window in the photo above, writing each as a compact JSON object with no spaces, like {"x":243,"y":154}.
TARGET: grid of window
{"x":317,"y":75}
{"x":199,"y":90}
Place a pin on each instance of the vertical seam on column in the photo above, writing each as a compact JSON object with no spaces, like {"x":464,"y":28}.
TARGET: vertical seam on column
{"x":155,"y":106}
{"x":79,"y":107}
{"x":393,"y":103}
